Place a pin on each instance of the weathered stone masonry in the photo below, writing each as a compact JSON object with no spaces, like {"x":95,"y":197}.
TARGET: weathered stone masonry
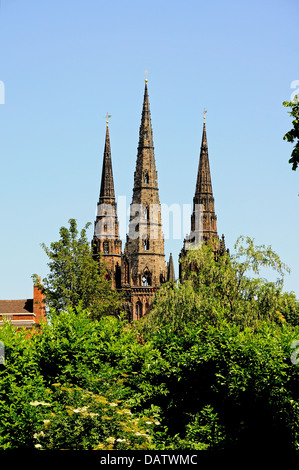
{"x":139,"y":270}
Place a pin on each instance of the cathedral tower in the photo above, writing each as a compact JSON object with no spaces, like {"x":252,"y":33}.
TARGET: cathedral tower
{"x":106,"y":239}
{"x":203,"y":198}
{"x":203,"y":218}
{"x":143,"y":263}
{"x":139,"y":271}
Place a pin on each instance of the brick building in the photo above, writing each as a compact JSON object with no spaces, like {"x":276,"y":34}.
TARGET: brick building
{"x":24,"y":312}
{"x":140,"y":268}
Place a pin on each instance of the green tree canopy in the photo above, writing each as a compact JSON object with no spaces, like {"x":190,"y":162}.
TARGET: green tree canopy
{"x":64,"y":387}
{"x":75,"y":277}
{"x":101,"y":384}
{"x":214,"y":365}
{"x":293,"y":135}
{"x":221,"y":286}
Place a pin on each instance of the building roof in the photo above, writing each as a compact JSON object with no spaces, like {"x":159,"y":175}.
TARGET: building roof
{"x":16,"y":306}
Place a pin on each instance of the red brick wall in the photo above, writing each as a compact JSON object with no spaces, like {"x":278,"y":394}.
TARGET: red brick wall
{"x":39,"y":304}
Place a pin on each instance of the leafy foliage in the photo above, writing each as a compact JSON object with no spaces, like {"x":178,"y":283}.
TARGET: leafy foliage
{"x":95,"y":422}
{"x":218,"y":287}
{"x":75,"y":277}
{"x":62,"y":388}
{"x":293,"y":134}
{"x":209,"y":368}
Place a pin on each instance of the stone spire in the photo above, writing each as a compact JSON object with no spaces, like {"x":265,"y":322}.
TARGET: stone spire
{"x":106,"y":241}
{"x":144,"y":258}
{"x":170,"y":270}
{"x":204,"y":219}
{"x":204,"y":183}
{"x":107,"y":183}
{"x":145,"y":175}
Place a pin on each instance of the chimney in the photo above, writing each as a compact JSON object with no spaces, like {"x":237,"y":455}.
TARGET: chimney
{"x":39,"y":308}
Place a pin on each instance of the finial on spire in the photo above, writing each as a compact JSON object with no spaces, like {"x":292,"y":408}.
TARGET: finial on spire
{"x":204,"y":115}
{"x":108,"y":116}
{"x":146,"y":74}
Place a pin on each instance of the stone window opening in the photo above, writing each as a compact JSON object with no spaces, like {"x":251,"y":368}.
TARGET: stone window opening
{"x":146,"y":245}
{"x":117,"y":276}
{"x":138,"y":309}
{"x":146,"y":279}
{"x":106,"y":248}
{"x":146,"y":178}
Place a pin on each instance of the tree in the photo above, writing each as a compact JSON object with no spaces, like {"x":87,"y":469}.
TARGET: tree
{"x":75,"y":277}
{"x":203,"y":380}
{"x":64,"y":388}
{"x":293,"y":134}
{"x":225,"y":334}
{"x":212,"y":366}
{"x":220,"y":286}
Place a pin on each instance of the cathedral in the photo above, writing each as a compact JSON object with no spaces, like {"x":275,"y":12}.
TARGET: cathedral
{"x":140,"y":269}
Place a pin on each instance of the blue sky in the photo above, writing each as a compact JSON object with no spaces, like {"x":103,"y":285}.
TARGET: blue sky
{"x":66,"y":63}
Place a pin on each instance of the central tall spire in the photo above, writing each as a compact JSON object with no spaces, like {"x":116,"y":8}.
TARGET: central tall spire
{"x":144,"y":258}
{"x":145,"y":176}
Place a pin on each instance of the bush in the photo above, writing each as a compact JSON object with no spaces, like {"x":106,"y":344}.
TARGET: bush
{"x":209,"y":368}
{"x":62,"y":386}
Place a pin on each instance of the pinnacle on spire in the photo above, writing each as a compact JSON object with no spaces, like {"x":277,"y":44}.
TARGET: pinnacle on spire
{"x":145,"y":131}
{"x":203,"y":219}
{"x":170,"y":270}
{"x":204,"y":182}
{"x":145,"y":176}
{"x":107,"y":183}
